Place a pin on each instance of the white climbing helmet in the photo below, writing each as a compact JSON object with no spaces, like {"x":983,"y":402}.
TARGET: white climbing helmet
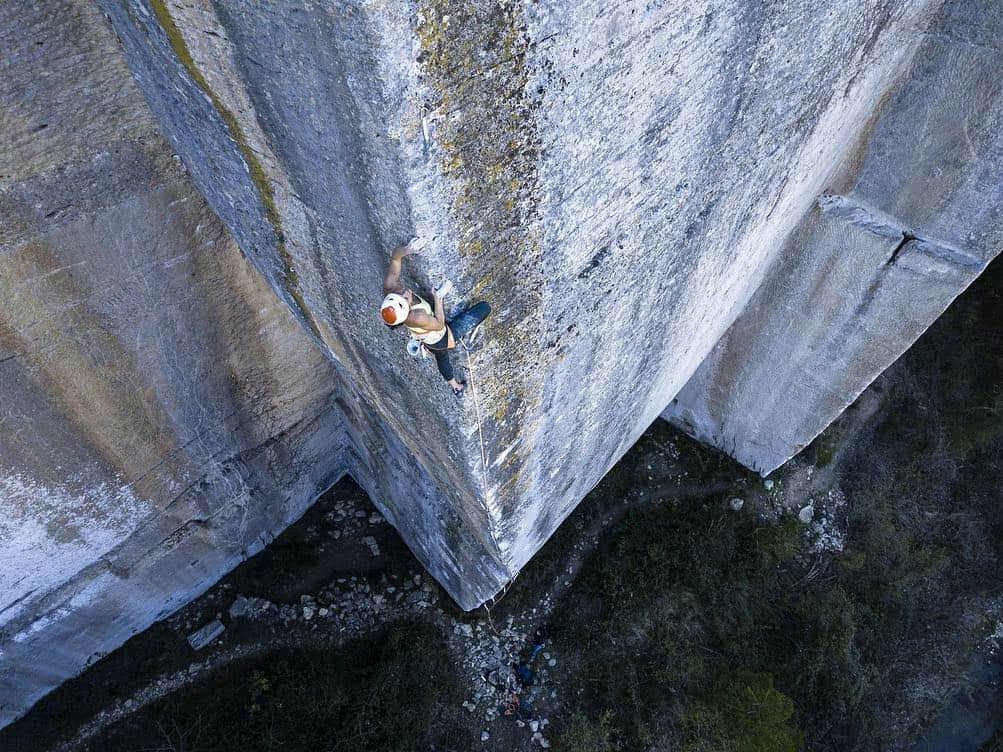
{"x":395,"y":309}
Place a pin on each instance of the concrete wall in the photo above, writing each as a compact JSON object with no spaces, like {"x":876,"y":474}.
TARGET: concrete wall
{"x":615,"y":181}
{"x":163,"y":415}
{"x":294,"y":133}
{"x":680,"y":143}
{"x":909,"y":220}
{"x":188,"y":356}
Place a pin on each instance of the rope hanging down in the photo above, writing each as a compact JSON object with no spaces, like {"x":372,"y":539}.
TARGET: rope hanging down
{"x":484,"y":466}
{"x":477,"y":413}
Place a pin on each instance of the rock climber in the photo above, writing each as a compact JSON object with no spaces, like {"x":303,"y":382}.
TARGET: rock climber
{"x":428,"y":326}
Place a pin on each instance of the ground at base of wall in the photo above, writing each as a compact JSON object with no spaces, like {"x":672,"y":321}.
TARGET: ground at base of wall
{"x":848,"y":596}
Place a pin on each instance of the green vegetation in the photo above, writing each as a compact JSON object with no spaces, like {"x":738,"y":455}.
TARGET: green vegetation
{"x":744,"y":712}
{"x":688,"y":601}
{"x":824,"y":453}
{"x":684,"y":595}
{"x":388,"y":693}
{"x":691,"y":609}
{"x":582,"y":734}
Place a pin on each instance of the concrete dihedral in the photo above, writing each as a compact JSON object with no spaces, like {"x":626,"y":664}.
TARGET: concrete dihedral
{"x":194,"y":353}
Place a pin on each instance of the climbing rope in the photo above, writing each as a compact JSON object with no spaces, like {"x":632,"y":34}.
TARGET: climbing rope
{"x":477,"y":413}
{"x":484,"y":470}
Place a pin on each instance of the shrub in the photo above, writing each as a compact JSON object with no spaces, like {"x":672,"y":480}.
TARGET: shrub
{"x":584,"y":734}
{"x":743,"y":713}
{"x":783,"y":540}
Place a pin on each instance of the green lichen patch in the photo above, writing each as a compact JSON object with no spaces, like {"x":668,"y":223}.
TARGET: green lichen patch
{"x":474,"y":56}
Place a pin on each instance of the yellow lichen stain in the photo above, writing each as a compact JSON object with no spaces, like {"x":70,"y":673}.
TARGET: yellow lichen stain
{"x":499,"y":412}
{"x":475,"y":63}
{"x":471,"y":247}
{"x":453,"y":163}
{"x":259,"y":177}
{"x":493,"y":171}
{"x":513,"y":460}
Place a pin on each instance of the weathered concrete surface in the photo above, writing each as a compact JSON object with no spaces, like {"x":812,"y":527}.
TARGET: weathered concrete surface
{"x":164,"y":416}
{"x":680,"y":142}
{"x":912,"y":219}
{"x":615,"y":180}
{"x":164,"y":413}
{"x":287,"y":129}
{"x":618,"y":180}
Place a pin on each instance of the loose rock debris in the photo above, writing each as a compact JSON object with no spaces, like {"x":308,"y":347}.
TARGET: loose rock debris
{"x":503,"y":665}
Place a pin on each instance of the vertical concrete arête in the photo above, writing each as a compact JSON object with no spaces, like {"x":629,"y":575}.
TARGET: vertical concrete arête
{"x":616,"y":182}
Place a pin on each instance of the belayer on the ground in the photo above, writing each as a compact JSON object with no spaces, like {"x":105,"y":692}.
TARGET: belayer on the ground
{"x":428,"y":326}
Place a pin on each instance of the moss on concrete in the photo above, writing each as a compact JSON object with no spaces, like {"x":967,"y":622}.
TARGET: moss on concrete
{"x":474,"y":56}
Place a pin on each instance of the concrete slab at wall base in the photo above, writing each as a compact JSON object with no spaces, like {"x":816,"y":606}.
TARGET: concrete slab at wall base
{"x":914,"y":220}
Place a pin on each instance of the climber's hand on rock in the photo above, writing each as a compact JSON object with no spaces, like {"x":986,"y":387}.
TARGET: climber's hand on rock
{"x":437,"y":295}
{"x":444,"y":289}
{"x":414,"y":245}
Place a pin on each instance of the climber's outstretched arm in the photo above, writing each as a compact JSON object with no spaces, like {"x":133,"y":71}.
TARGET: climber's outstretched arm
{"x":392,"y":280}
